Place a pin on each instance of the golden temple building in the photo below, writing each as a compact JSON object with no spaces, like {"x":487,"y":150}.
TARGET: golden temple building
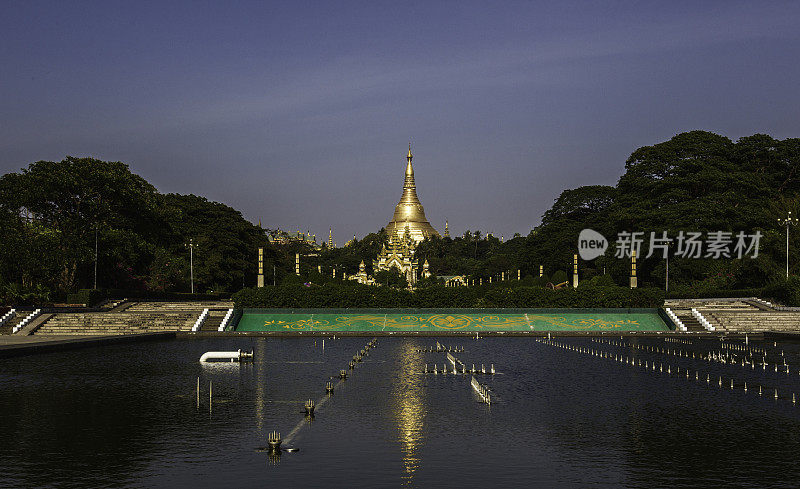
{"x":399,"y":254}
{"x":409,"y":213}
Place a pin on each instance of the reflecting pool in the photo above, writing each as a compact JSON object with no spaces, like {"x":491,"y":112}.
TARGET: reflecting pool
{"x":562,"y":415}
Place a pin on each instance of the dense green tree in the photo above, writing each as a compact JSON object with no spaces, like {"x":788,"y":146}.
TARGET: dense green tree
{"x":53,"y":215}
{"x":555,"y":240}
{"x":391,"y":278}
{"x":225,"y":243}
{"x":696,"y":181}
{"x":59,"y":208}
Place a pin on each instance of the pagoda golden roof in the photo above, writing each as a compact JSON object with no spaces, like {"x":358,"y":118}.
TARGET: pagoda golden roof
{"x":409,"y":212}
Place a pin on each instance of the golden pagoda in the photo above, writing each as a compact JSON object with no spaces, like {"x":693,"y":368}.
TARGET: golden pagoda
{"x":409,"y":213}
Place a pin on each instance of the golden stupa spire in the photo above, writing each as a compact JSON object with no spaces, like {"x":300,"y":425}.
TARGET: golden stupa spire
{"x":409,"y":209}
{"x":409,"y":186}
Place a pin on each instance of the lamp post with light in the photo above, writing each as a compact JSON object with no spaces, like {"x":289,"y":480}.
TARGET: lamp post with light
{"x":191,"y":246}
{"x":789,"y":221}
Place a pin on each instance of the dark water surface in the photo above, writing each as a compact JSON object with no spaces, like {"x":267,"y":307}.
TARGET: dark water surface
{"x":126,"y":416}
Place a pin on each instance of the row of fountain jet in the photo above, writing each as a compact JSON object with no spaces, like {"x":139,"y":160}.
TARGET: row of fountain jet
{"x":675,"y":340}
{"x":464,"y":370}
{"x":725,"y":355}
{"x":459,"y":367}
{"x":483,"y":391}
{"x":651,"y":366}
{"x":440,"y":348}
{"x":274,"y":438}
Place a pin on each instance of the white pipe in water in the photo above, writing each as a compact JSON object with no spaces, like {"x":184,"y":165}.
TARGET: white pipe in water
{"x":232,"y":356}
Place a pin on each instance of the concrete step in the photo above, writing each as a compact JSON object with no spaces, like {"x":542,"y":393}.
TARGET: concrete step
{"x":18,"y":318}
{"x":690,"y":322}
{"x":212,"y":323}
{"x":116,"y":323}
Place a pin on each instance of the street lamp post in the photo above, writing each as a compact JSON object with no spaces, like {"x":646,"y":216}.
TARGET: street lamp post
{"x":666,"y":280}
{"x":191,"y":246}
{"x":95,"y":256}
{"x":789,"y":221}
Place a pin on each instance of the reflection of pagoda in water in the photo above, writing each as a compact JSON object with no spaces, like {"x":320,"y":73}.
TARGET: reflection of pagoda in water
{"x":409,"y":409}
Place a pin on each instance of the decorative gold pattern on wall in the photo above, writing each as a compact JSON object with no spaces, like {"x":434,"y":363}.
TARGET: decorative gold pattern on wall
{"x":432,"y":322}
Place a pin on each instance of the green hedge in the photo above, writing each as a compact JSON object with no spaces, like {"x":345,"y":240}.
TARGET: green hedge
{"x":786,"y":292}
{"x":90,"y":297}
{"x":363,"y":296}
{"x":161,"y":295}
{"x":688,"y":293}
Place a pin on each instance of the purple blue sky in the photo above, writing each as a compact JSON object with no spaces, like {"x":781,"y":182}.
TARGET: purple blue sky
{"x":300,"y":113}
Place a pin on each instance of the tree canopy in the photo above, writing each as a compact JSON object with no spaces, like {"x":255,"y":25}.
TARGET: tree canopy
{"x":53,"y":215}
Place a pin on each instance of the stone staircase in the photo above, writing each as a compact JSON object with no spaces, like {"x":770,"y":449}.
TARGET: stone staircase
{"x":213,"y":320}
{"x":8,"y":327}
{"x":736,"y":315}
{"x":702,"y":305}
{"x":108,"y":323}
{"x":688,"y":320}
{"x":757,"y":321}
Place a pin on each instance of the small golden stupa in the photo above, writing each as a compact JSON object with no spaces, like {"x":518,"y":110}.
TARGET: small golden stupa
{"x":409,"y":215}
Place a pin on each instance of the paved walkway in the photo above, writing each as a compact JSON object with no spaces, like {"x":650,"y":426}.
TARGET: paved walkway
{"x":17,"y":345}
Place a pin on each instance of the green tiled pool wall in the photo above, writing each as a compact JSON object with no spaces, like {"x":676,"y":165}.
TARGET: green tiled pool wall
{"x":431,"y":320}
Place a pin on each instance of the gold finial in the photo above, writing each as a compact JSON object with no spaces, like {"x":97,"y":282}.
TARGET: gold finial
{"x":409,"y":156}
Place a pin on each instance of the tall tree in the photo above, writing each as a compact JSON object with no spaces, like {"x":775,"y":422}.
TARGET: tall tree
{"x":63,"y":204}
